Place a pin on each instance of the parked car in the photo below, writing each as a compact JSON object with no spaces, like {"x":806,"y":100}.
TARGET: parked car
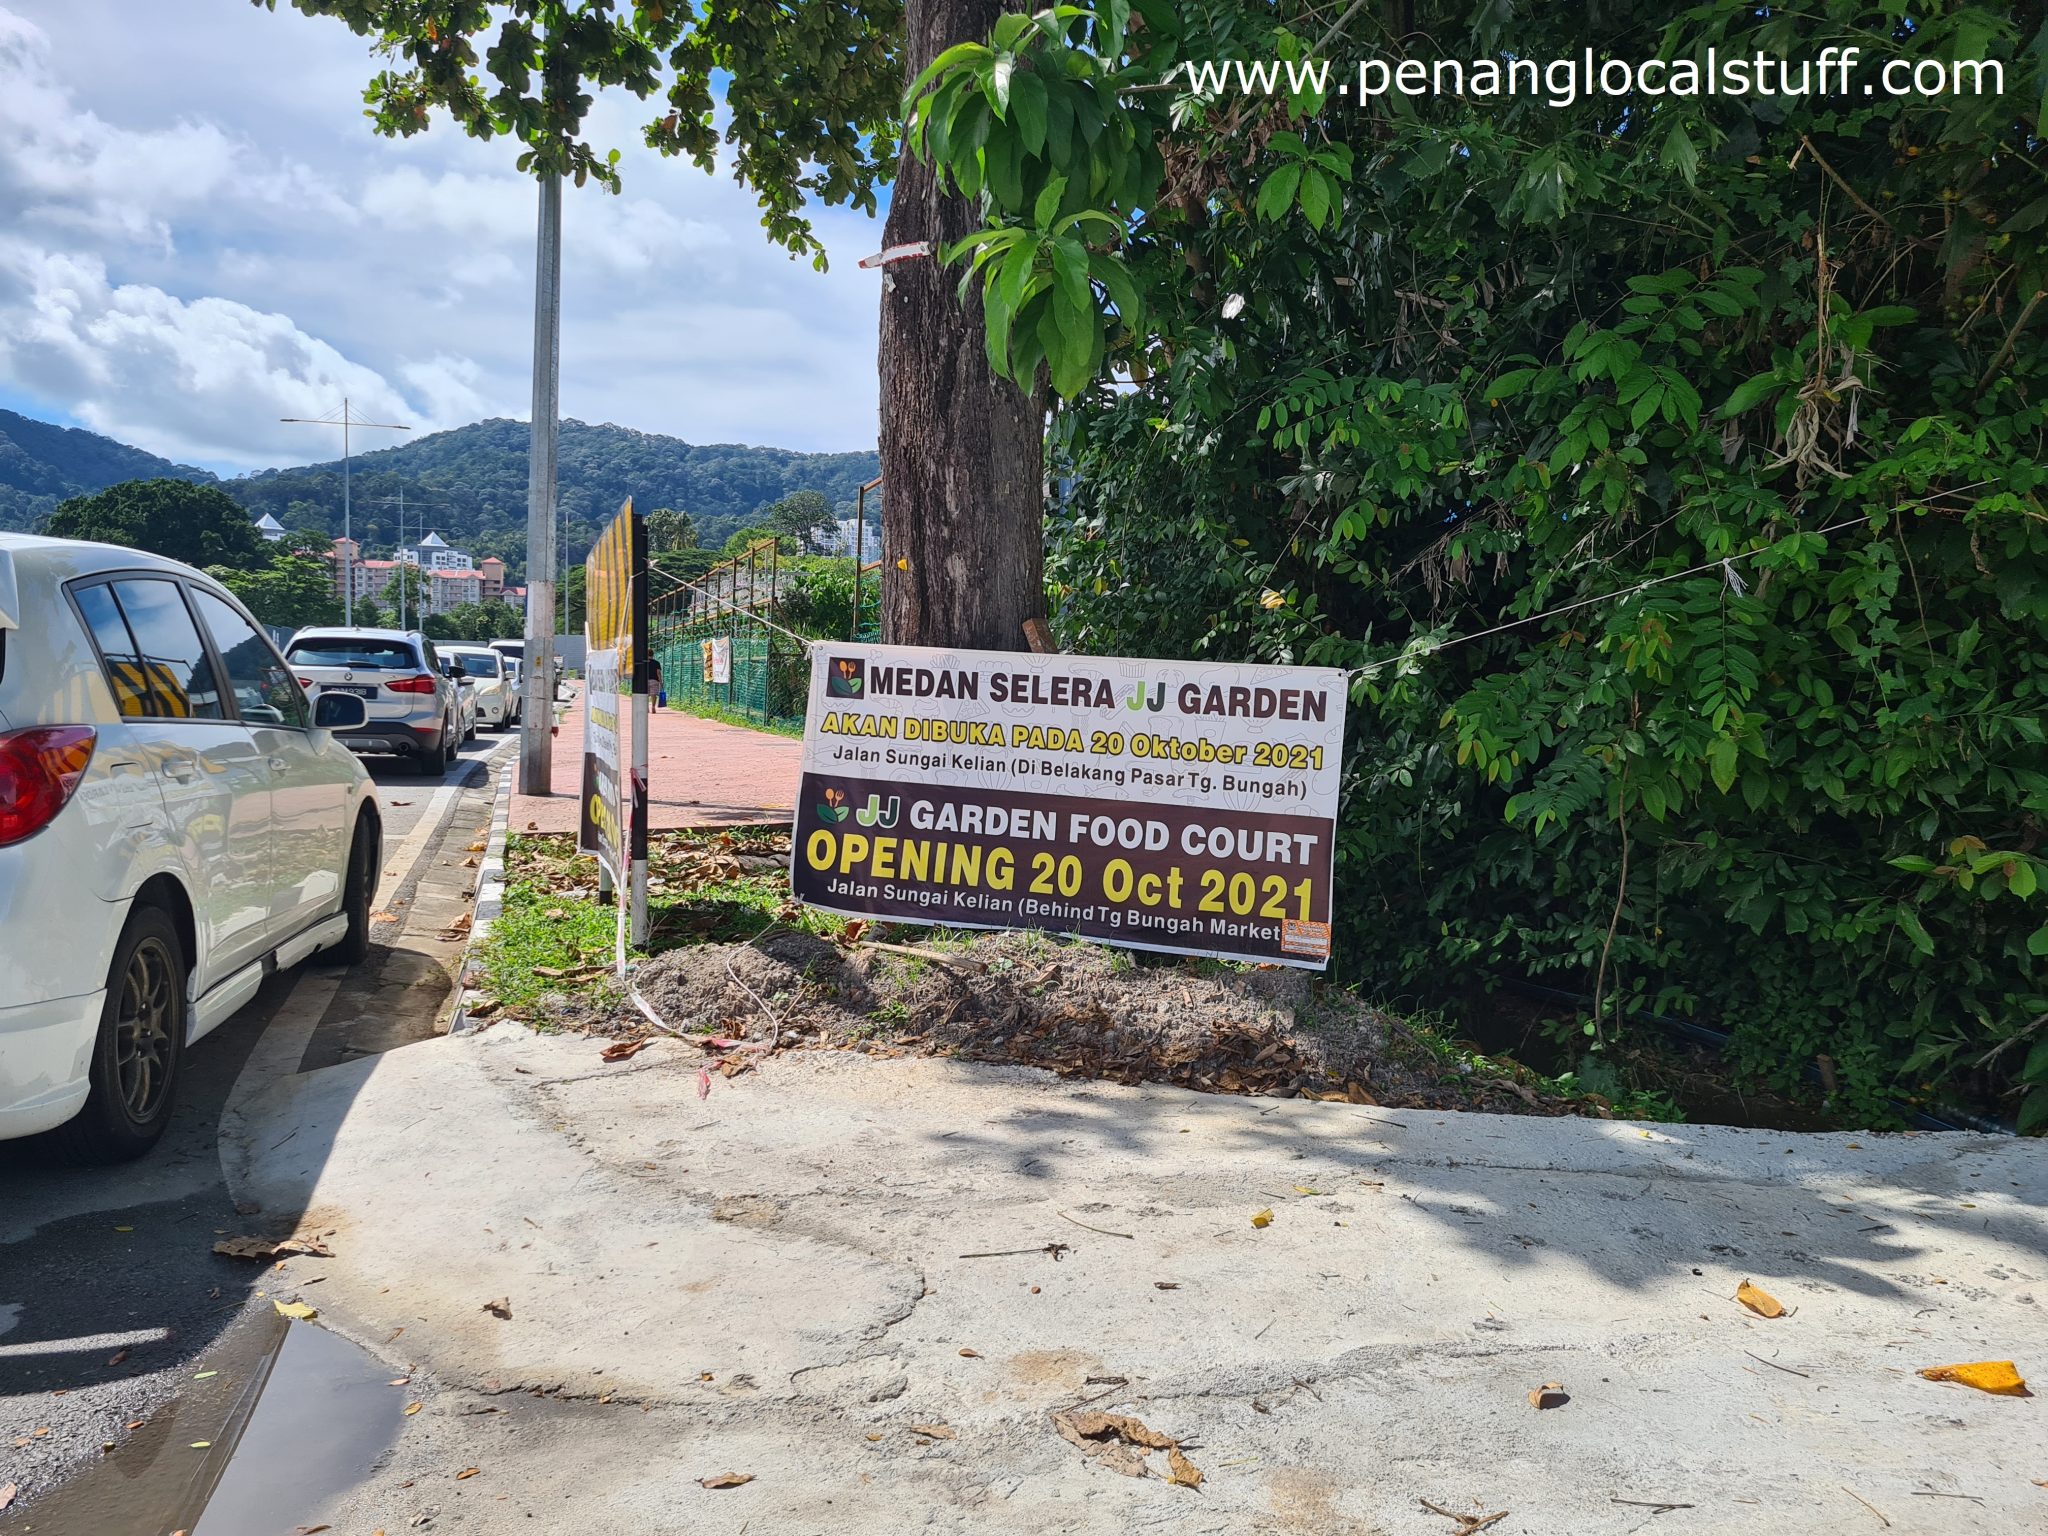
{"x":415,"y":709}
{"x":177,"y":822}
{"x":467,"y":713}
{"x":490,"y":683}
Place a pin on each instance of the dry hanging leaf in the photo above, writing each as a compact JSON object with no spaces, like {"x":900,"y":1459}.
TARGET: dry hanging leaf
{"x":621,"y":1049}
{"x":934,"y":1431}
{"x":502,"y":1307}
{"x":1762,"y":1303}
{"x":467,"y":1472}
{"x":1263,"y":1219}
{"x":726,"y":1480}
{"x":1999,"y":1376}
{"x":298,"y":1309}
{"x":1550,"y":1395}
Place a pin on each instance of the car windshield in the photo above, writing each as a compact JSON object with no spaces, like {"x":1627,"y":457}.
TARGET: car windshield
{"x":477,"y":663}
{"x":353,"y":651}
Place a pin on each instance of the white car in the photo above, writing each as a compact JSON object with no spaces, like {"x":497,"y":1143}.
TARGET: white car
{"x":177,"y":823}
{"x":487,"y":679}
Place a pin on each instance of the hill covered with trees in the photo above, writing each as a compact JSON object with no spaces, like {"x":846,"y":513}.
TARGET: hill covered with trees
{"x":42,"y":464}
{"x":471,"y":484}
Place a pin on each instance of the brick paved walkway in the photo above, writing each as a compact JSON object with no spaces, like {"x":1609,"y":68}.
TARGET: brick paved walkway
{"x":700,"y":773}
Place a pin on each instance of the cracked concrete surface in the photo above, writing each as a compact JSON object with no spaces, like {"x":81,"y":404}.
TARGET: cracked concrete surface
{"x":783,"y":1279}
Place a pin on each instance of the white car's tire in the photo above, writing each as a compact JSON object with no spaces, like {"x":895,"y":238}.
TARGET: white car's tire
{"x":140,"y":1046}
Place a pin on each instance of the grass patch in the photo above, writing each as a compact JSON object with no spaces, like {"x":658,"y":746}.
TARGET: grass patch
{"x":704,"y":709}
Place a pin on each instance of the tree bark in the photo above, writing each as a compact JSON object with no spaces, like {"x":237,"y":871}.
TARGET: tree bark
{"x":962,"y":451}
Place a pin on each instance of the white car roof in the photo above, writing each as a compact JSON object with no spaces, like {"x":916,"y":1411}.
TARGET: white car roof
{"x":343,"y":632}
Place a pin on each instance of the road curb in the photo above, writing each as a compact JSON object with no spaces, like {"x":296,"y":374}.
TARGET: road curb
{"x":490,"y":893}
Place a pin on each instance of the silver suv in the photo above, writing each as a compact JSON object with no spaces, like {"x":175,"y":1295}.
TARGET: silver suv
{"x":414,"y":709}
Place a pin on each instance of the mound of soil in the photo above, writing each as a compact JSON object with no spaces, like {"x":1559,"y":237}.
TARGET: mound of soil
{"x":1076,"y":1009}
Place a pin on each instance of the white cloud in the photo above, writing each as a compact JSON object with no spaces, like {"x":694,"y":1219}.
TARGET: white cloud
{"x":202,"y":233}
{"x":208,"y":379}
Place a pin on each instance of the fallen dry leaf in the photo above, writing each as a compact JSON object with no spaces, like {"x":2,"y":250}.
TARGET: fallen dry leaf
{"x":1263,"y":1219}
{"x":1182,"y":1471}
{"x":1999,"y":1376}
{"x":7,"y":1493}
{"x":1550,"y":1395}
{"x":619,"y":1050}
{"x":264,"y":1249}
{"x":726,"y":1480}
{"x":467,"y":1472}
{"x":412,"y":1408}
{"x":934,"y":1431}
{"x":201,"y":1445}
{"x":970,"y":1354}
{"x":1762,"y":1303}
{"x":297,"y":1309}
{"x":119,"y":1356}
{"x":1165,"y":1285}
{"x":312,"y":1530}
{"x":502,"y":1307}
{"x":703,"y":1082}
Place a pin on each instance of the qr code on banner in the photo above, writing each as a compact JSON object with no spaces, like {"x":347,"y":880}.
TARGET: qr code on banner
{"x":1309,"y":940}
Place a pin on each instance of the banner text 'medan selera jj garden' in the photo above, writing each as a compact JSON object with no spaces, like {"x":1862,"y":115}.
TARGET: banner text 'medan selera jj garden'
{"x":1168,"y":805}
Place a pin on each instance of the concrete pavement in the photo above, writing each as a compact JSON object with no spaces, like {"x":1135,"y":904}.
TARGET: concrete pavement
{"x":701,"y":773}
{"x":866,"y":1285}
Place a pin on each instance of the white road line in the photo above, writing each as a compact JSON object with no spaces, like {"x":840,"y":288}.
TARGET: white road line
{"x":408,"y":852}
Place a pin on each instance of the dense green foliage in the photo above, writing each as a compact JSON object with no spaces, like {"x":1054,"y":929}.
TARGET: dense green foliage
{"x":41,"y":465}
{"x":806,"y":93}
{"x":198,"y":524}
{"x":476,"y":622}
{"x":292,"y":590}
{"x":1476,"y":397}
{"x":471,"y":484}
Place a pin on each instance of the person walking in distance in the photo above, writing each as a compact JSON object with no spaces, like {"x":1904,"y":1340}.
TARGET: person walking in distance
{"x":657,"y":691}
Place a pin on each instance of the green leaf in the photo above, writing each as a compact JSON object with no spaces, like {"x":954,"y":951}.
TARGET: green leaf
{"x":1751,"y":392}
{"x":1910,"y":921}
{"x":1276,"y":195}
{"x":1721,"y":762}
{"x":1028,"y":109}
{"x":1679,"y":154}
{"x":1048,"y":206}
{"x":957,"y":55}
{"x":999,"y":78}
{"x":1510,"y":384}
{"x":2022,"y":882}
{"x":1315,"y":197}
{"x":2034,"y":1108}
{"x":2037,"y":941}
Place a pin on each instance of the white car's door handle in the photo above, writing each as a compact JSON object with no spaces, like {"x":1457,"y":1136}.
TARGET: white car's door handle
{"x":180,"y":768}
{"x":279,"y":764}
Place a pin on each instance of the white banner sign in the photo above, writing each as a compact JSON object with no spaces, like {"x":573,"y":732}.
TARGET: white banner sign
{"x":1169,"y":805}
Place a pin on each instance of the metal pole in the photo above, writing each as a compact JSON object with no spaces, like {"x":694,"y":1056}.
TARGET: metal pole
{"x":536,"y":745}
{"x":348,"y":538}
{"x":399,"y":572}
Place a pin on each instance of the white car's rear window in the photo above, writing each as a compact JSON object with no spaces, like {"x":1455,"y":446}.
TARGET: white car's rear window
{"x":353,"y":651}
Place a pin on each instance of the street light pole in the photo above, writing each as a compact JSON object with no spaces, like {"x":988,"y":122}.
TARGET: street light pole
{"x":346,"y":420}
{"x":537,"y":712}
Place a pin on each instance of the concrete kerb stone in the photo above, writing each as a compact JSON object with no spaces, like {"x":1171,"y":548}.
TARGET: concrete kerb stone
{"x":490,"y":892}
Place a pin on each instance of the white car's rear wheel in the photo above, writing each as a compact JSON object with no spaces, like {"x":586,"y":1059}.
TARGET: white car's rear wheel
{"x":141,"y":1044}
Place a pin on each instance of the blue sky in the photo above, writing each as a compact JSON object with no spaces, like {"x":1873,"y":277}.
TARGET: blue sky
{"x":203,"y":234}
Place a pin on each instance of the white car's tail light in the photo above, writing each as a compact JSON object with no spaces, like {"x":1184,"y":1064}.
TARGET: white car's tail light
{"x":39,"y":768}
{"x":424,"y":683}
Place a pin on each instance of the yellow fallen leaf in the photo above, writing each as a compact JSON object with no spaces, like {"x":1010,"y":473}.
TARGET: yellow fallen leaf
{"x":874,"y":1437}
{"x":726,"y":1480}
{"x":1762,"y":1303}
{"x":298,"y":1309}
{"x":467,"y":1472}
{"x":1303,"y":1189}
{"x":411,"y":1409}
{"x":200,"y":1445}
{"x":1263,"y":1219}
{"x":1998,"y":1376}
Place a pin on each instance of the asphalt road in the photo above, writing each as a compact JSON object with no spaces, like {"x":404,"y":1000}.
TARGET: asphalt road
{"x":112,"y":1302}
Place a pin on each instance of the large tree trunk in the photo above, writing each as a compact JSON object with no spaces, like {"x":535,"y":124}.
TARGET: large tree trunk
{"x":962,"y":450}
